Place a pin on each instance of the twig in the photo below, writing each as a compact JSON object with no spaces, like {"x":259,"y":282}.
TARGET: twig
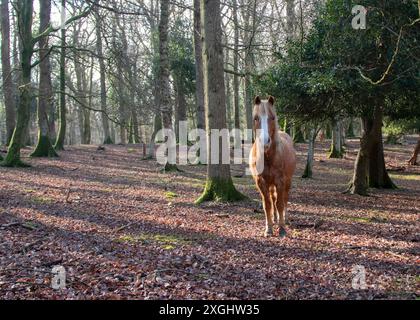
{"x":125,"y":227}
{"x":8,"y":225}
{"x":70,"y":170}
{"x":68,"y":195}
{"x":29,"y":245}
{"x":15,"y":224}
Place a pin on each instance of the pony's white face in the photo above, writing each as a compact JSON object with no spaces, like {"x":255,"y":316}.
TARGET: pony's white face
{"x":264,"y":121}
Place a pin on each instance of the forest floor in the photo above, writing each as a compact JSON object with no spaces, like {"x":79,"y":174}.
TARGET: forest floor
{"x":124,"y":230}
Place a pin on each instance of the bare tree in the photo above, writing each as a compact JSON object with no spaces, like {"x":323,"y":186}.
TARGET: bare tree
{"x":199,"y":66}
{"x":44,"y":147}
{"x":165,"y":101}
{"x":8,"y":88}
{"x":102,"y":72}
{"x":59,"y":143}
{"x":219,"y":184}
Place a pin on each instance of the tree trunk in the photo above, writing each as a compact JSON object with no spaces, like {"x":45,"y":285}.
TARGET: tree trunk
{"x":157,"y":126}
{"x":378,"y":175}
{"x":250,"y":27}
{"x":135,"y":126}
{"x":350,"y":129}
{"x":311,"y":152}
{"x":336,"y":151}
{"x":8,"y":89}
{"x":181,"y":112}
{"x":370,"y":157}
{"x":298,"y":134}
{"x":291,"y":19}
{"x":236,"y":67}
{"x":164,"y":73}
{"x":102,"y":73}
{"x":413,"y":159}
{"x":82,"y":92}
{"x":219,"y":184}
{"x":359,"y":184}
{"x":24,"y":10}
{"x":229,"y":109}
{"x":44,"y":147}
{"x":59,"y":144}
{"x":201,"y":121}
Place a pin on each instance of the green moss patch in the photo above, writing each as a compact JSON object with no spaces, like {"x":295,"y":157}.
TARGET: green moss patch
{"x":165,"y":241}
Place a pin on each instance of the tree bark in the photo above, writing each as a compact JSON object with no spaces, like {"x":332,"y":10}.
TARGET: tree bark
{"x":102,"y":73}
{"x":157,"y":126}
{"x":201,"y":121}
{"x":8,"y":88}
{"x":219,"y":184}
{"x":298,"y":134}
{"x":378,"y":175}
{"x":44,"y":147}
{"x":291,"y":19}
{"x":181,"y":112}
{"x":135,"y":127}
{"x":61,"y":136}
{"x":336,"y":151}
{"x":24,"y":10}
{"x":350,"y":129}
{"x":164,"y":73}
{"x":370,"y":163}
{"x":311,"y":152}
{"x":236,"y":66}
{"x":82,"y":92}
{"x":248,"y":39}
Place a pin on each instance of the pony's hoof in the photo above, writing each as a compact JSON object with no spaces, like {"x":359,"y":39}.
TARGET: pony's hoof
{"x":282,"y":233}
{"x":268,"y":234}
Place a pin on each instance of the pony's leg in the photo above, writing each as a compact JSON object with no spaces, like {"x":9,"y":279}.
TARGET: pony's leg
{"x":268,"y":208}
{"x":286,"y":201}
{"x":281,"y":209}
{"x":273,"y":194}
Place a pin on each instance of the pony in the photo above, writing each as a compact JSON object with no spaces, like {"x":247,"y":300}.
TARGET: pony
{"x":272,"y":164}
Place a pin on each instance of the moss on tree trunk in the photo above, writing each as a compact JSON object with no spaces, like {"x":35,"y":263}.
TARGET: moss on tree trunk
{"x":350,"y":129}
{"x":108,"y":140}
{"x":336,"y":150}
{"x":218,"y":189}
{"x":23,"y":112}
{"x":359,"y":184}
{"x":44,"y":148}
{"x":311,"y":151}
{"x":335,"y":153}
{"x":370,"y":168}
{"x":171,"y":168}
{"x":219,"y":186}
{"x":378,"y":175}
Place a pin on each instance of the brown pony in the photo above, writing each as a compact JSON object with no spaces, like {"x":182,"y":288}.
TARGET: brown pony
{"x":272,"y":164}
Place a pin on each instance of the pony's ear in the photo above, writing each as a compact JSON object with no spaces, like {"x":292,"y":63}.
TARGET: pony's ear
{"x":271,"y":100}
{"x":257,"y":100}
